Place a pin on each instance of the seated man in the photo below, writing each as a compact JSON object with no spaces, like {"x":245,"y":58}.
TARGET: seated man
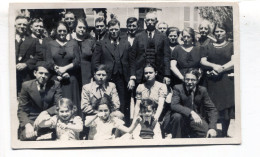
{"x":37,"y":102}
{"x":193,"y":113}
{"x":97,"y":89}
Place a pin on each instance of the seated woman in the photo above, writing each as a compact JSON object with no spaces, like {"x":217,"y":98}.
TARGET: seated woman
{"x":151,"y":89}
{"x":98,"y":89}
{"x":193,"y":113}
{"x":185,"y":56}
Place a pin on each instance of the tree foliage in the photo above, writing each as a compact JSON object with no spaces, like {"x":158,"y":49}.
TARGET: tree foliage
{"x":217,"y":14}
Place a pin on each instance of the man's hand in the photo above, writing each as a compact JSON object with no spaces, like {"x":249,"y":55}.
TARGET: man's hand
{"x":44,"y":115}
{"x":211,"y":133}
{"x":196,"y":117}
{"x":21,"y":66}
{"x":29,"y":131}
{"x":131,"y":84}
{"x":166,"y":80}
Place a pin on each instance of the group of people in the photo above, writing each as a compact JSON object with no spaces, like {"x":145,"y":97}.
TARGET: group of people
{"x":145,"y":84}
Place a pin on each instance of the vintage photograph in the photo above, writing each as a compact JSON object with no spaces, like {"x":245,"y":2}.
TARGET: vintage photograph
{"x":124,"y":74}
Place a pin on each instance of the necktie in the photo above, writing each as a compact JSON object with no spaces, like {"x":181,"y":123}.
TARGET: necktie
{"x":150,"y":35}
{"x":42,"y":93}
{"x":192,"y":97}
{"x":115,"y":44}
{"x":100,"y":90}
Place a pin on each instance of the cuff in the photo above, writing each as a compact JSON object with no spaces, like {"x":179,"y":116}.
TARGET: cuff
{"x":132,"y":78}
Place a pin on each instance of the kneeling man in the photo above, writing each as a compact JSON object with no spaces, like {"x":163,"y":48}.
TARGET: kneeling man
{"x":194,"y":114}
{"x":37,"y":102}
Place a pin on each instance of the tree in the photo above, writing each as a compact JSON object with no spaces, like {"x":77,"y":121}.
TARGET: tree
{"x":217,"y":14}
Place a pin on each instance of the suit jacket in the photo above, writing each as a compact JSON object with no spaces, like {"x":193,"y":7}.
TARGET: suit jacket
{"x":26,"y":52}
{"x":202,"y":105}
{"x":31,"y":104}
{"x":105,"y":54}
{"x":90,"y":94}
{"x":162,"y":54}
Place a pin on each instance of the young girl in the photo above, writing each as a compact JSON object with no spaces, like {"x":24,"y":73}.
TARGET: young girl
{"x":148,"y":127}
{"x":102,"y":125}
{"x":67,"y":124}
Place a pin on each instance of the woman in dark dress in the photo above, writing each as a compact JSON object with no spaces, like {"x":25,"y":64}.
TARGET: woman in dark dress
{"x":86,"y":46}
{"x":220,"y":82}
{"x":185,"y":56}
{"x":173,"y":34}
{"x":63,"y":57}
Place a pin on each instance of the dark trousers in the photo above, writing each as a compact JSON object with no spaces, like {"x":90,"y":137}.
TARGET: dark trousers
{"x":182,"y":127}
{"x":124,"y":95}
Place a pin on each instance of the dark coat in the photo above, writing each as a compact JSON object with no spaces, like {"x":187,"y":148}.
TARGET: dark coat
{"x":105,"y":54}
{"x":25,"y":53}
{"x":162,"y":54}
{"x":203,"y":105}
{"x":30,"y":102}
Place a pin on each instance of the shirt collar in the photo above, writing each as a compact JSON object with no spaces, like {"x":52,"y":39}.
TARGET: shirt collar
{"x":97,"y":86}
{"x":18,"y":37}
{"x":38,"y":85}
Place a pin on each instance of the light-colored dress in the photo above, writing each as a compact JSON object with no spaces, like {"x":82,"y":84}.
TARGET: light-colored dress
{"x":100,"y":130}
{"x":154,"y":93}
{"x":66,"y":134}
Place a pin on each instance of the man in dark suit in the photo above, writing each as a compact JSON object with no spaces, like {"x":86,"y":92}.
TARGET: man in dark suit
{"x":132,"y":28}
{"x":193,"y":112}
{"x":151,"y":46}
{"x":25,"y":50}
{"x":37,"y":101}
{"x":37,"y":32}
{"x":114,"y":53}
{"x":100,"y":29}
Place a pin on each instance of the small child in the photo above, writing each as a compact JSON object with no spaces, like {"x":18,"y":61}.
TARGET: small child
{"x":67,"y":124}
{"x":147,"y":128}
{"x":102,"y":125}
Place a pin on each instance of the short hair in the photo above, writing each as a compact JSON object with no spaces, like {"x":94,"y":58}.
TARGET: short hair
{"x":70,"y":12}
{"x":104,"y":100}
{"x":194,"y":71}
{"x":172,"y":29}
{"x":162,"y":23}
{"x":68,"y":103}
{"x":43,"y":64}
{"x":57,"y":25}
{"x":113,"y":22}
{"x":100,"y":19}
{"x":220,"y":25}
{"x":131,"y":20}
{"x":190,"y":31}
{"x":150,"y":65}
{"x":148,"y":102}
{"x":151,"y":12}
{"x":22,"y":17}
{"x":82,"y":20}
{"x":101,"y":67}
